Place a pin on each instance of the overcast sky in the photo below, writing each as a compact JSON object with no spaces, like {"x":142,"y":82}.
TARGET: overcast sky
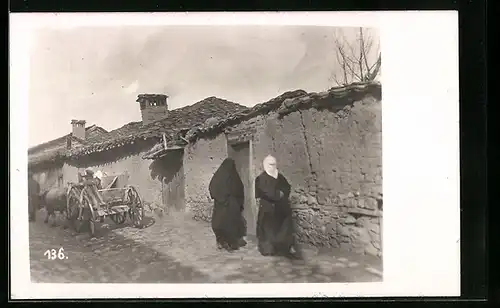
{"x":95,"y":74}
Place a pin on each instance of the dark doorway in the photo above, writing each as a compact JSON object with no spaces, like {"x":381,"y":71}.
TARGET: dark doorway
{"x":240,"y":152}
{"x":171,"y":172}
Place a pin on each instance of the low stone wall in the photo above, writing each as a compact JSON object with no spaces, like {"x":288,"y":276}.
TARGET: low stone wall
{"x":201,"y":160}
{"x":332,"y":160}
{"x":202,"y":211}
{"x":352,"y":222}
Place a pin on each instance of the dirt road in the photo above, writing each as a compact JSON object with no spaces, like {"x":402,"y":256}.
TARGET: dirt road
{"x":175,"y":249}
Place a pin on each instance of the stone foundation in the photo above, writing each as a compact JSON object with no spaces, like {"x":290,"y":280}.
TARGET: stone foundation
{"x":351,"y":222}
{"x":202,"y":211}
{"x":332,"y":160}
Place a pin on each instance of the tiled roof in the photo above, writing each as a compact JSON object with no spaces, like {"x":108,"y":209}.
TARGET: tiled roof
{"x":95,"y":133}
{"x":233,"y":119}
{"x":181,"y":119}
{"x":56,"y":149}
{"x":335,"y":98}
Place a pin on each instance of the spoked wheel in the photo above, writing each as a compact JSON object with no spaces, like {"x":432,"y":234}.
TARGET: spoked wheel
{"x":72,"y":206}
{"x":136,"y":211}
{"x":88,"y":215}
{"x":119,"y":218}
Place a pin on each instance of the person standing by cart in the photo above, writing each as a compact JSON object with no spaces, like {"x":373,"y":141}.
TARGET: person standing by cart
{"x":89,"y":180}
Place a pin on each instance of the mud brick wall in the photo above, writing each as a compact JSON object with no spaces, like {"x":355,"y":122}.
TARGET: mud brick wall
{"x":333,"y":160}
{"x":201,"y":160}
{"x":70,"y":174}
{"x":334,"y":163}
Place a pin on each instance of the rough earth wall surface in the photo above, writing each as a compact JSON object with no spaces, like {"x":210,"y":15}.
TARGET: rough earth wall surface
{"x":333,"y":162}
{"x":201,"y":160}
{"x":70,"y":174}
{"x":48,"y":178}
{"x":138,"y":170}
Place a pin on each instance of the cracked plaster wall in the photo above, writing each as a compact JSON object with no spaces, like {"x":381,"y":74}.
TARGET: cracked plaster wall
{"x":333,"y":160}
{"x":138,"y":172}
{"x":201,"y":160}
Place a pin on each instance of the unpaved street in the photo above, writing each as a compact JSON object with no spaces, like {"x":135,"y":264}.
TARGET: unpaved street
{"x":110,"y":258}
{"x":176,"y":249}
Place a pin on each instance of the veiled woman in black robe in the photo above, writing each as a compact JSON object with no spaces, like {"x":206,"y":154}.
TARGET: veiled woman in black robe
{"x":227,"y":191}
{"x":275,"y":229}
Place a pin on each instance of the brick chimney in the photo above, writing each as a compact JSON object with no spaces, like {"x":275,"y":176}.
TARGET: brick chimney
{"x":154,"y":107}
{"x":78,"y":129}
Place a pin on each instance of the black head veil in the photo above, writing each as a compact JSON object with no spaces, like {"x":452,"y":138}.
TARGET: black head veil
{"x":226,"y":181}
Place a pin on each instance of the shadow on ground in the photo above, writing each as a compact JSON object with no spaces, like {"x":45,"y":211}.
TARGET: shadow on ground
{"x":109,"y":258}
{"x":171,"y":249}
{"x":101,"y":228}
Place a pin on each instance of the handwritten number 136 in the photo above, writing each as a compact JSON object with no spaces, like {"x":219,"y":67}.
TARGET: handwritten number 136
{"x":53,"y":254}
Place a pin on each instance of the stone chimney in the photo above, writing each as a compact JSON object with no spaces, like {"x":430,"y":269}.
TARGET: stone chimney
{"x":154,"y":107}
{"x":78,"y":129}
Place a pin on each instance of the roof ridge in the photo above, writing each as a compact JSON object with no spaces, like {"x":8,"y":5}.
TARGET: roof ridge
{"x":55,"y":140}
{"x":292,"y":100}
{"x":176,"y":120}
{"x":230,"y":113}
{"x":47,"y":143}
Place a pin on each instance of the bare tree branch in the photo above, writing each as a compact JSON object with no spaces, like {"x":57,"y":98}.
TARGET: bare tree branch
{"x":360,"y":59}
{"x":346,"y":62}
{"x":357,"y":60}
{"x":368,"y":43}
{"x":336,"y":80}
{"x":363,"y":53}
{"x":342,"y":62}
{"x":379,"y":58}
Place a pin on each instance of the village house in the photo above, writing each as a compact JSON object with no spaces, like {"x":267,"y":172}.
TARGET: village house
{"x":328,"y":145}
{"x":46,"y":160}
{"x":119,"y":152}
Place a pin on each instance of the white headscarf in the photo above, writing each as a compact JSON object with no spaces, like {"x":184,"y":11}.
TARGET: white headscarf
{"x":270,"y":166}
{"x":99,"y":174}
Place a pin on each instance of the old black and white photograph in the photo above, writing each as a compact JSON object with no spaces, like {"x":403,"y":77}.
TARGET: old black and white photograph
{"x":205,"y":154}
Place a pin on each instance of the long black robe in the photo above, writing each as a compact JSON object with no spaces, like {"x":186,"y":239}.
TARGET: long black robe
{"x":275,"y":228}
{"x":227,"y":191}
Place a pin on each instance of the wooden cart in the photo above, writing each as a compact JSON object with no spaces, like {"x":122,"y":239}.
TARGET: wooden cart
{"x":87,"y":203}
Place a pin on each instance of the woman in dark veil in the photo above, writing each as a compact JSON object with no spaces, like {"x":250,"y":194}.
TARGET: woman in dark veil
{"x":275,"y":229}
{"x":226,"y":189}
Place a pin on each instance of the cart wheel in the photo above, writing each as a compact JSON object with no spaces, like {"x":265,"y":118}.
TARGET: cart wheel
{"x":119,"y":218}
{"x":136,"y":211}
{"x":88,"y":215}
{"x":72,"y":206}
{"x":91,"y":227}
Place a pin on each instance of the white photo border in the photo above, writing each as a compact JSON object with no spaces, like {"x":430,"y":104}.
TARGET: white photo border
{"x":420,"y":155}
